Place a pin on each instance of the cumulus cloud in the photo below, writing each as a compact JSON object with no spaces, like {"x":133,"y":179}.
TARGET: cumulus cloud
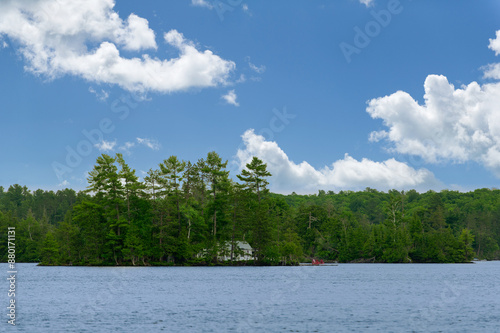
{"x":345,"y":174}
{"x":105,"y":146}
{"x":84,"y":37}
{"x":453,"y":125}
{"x":230,"y":98}
{"x":150,"y":143}
{"x":456,"y":125}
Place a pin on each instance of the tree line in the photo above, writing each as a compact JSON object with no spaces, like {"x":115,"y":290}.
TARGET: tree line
{"x":184,"y":213}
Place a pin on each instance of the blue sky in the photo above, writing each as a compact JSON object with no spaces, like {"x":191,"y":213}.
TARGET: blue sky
{"x":332,"y":95}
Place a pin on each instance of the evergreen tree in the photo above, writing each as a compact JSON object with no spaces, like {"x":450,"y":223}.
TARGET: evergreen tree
{"x":171,"y":177}
{"x":254,"y":178}
{"x":214,"y":171}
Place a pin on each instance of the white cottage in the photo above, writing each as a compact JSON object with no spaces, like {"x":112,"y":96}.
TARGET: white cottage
{"x":242,"y":251}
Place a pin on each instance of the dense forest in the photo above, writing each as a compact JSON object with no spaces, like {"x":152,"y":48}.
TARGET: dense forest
{"x":185,"y":213}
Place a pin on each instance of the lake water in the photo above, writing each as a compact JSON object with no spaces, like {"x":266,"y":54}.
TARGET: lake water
{"x":344,"y":298}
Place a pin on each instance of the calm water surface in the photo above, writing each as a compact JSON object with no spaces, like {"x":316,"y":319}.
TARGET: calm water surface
{"x":345,"y":298}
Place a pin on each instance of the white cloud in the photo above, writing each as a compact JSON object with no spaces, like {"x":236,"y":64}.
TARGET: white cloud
{"x":367,"y":3}
{"x":105,"y":146}
{"x":230,"y":98}
{"x":377,"y":136}
{"x":84,"y":38}
{"x":492,"y":71}
{"x":345,"y":174}
{"x":495,"y":43}
{"x":456,"y":125}
{"x":152,"y":144}
{"x":245,"y":7}
{"x":201,"y":3}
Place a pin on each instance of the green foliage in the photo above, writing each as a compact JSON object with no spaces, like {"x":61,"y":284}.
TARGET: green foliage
{"x":50,"y":250}
{"x":255,"y":185}
{"x":466,"y":239}
{"x":187,"y":213}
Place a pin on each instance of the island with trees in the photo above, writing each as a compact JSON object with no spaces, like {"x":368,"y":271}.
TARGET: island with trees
{"x":185,"y":213}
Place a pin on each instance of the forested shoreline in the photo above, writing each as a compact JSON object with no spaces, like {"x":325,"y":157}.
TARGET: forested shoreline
{"x":185,"y":213}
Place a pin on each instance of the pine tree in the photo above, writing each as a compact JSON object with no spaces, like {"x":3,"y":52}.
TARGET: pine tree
{"x":171,"y":176}
{"x":105,"y":182}
{"x":255,"y":182}
{"x":132,"y":188}
{"x":214,"y":171}
{"x":50,"y":250}
{"x":254,"y":177}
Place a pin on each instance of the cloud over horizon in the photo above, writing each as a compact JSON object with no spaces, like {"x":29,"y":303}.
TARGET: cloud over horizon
{"x":344,"y":174}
